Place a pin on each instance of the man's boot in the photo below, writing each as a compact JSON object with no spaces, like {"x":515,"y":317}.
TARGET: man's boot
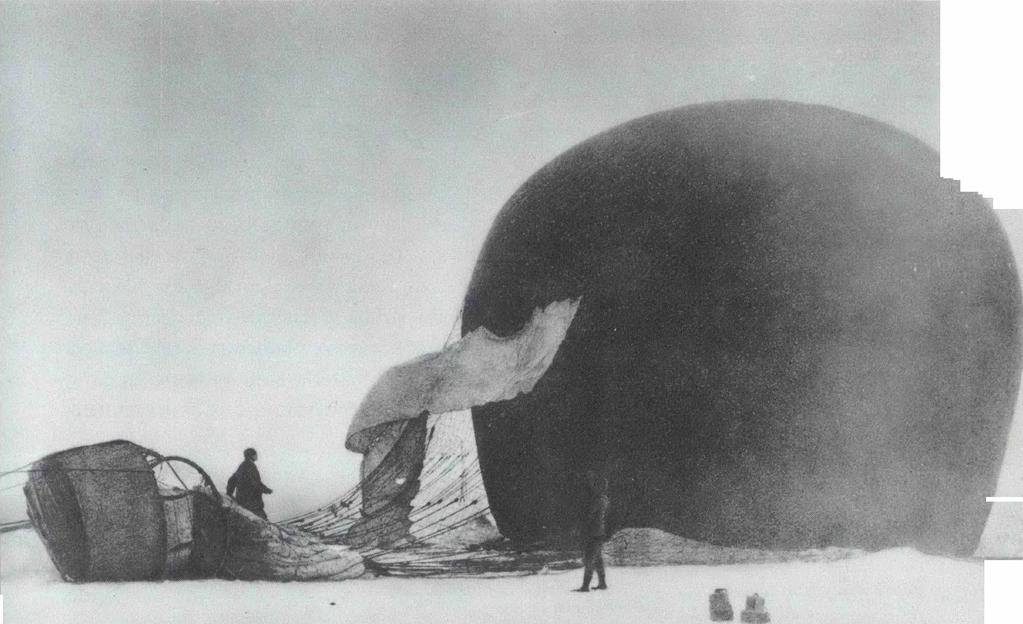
{"x":587,"y":577}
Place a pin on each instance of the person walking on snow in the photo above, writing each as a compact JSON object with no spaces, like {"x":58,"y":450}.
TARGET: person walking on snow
{"x":594,"y":530}
{"x":249,"y":485}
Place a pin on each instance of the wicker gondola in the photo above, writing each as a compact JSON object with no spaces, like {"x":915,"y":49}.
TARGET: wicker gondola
{"x":103,"y":516}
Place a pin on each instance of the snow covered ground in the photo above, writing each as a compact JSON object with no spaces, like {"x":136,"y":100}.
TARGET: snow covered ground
{"x":899,"y":586}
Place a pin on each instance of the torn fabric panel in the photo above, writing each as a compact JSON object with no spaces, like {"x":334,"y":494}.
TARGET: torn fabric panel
{"x":478,"y":369}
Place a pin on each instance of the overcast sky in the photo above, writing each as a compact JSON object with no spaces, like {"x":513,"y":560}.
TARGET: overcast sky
{"x":221,"y":222}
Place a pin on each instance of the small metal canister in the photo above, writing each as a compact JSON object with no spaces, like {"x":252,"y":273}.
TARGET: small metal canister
{"x":720,"y":607}
{"x":755,"y":613}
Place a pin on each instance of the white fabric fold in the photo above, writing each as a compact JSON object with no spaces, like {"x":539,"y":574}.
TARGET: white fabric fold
{"x":479,"y":368}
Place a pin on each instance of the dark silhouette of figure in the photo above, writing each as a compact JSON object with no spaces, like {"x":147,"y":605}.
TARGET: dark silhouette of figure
{"x":249,"y":485}
{"x":593,"y":530}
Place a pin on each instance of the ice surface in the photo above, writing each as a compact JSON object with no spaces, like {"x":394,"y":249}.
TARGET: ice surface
{"x":897,"y":586}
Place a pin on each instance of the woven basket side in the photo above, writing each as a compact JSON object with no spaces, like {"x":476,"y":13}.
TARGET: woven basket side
{"x":120,"y":509}
{"x":55,"y":515}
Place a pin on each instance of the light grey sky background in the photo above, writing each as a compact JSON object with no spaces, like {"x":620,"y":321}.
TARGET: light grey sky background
{"x":221,"y":222}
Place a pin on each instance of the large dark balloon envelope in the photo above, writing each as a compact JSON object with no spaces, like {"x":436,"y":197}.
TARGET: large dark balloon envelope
{"x":793,"y":333}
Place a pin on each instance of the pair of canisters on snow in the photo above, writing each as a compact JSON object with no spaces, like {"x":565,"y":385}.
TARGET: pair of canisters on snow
{"x":721,"y":608}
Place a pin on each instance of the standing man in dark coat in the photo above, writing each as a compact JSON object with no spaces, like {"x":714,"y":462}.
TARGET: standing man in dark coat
{"x":250,"y":486}
{"x":594,"y":530}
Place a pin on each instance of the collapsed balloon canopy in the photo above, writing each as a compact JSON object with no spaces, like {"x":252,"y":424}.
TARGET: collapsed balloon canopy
{"x":793,"y":333}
